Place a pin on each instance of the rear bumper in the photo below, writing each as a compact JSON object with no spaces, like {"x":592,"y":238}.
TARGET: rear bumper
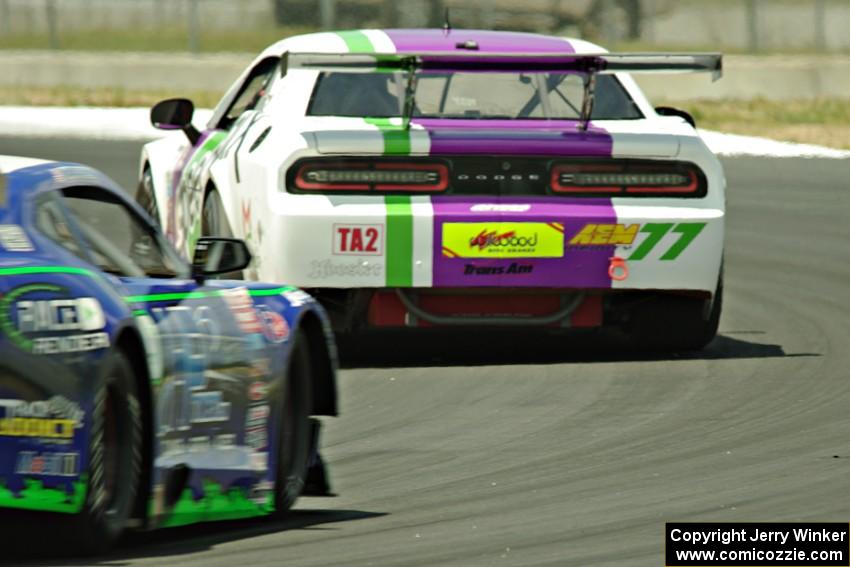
{"x":515,"y":308}
{"x":457,"y":242}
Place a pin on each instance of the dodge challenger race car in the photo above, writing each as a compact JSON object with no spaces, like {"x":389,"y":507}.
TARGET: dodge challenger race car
{"x":135,"y":391}
{"x":421,"y":178}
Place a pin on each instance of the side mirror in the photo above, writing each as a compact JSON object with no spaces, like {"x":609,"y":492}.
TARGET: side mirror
{"x":670,"y":111}
{"x":175,"y":114}
{"x":215,"y":256}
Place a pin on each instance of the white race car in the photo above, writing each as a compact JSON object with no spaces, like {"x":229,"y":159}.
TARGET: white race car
{"x":411,"y":178}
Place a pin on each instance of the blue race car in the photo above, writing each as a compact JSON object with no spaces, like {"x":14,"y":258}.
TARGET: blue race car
{"x":134,"y":389}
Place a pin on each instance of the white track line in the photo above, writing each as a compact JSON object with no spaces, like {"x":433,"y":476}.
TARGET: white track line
{"x":134,"y":124}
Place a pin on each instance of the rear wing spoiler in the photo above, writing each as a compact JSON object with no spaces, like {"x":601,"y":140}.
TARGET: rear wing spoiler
{"x":589,"y":65}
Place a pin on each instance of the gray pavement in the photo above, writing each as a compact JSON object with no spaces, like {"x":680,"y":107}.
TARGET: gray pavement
{"x":515,"y":456}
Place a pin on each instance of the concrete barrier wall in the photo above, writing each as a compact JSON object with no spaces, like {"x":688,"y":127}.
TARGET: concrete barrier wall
{"x":768,"y":25}
{"x":745,"y":77}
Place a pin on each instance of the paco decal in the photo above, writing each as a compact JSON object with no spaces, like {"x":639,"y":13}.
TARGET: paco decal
{"x":503,"y":240}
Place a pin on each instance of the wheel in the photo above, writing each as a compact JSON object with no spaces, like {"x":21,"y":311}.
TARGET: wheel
{"x":214,"y":223}
{"x":293,"y":448}
{"x":145,"y":196}
{"x":115,"y":458}
{"x":213,"y":220}
{"x":676,"y":323}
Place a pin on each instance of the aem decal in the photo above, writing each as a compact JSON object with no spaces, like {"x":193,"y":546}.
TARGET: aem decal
{"x":625,"y":235}
{"x":358,"y":239}
{"x":605,"y":234}
{"x":503,"y":240}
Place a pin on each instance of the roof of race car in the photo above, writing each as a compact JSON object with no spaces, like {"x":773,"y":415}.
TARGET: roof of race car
{"x":418,"y":40}
{"x":9,"y":164}
{"x":19,"y":174}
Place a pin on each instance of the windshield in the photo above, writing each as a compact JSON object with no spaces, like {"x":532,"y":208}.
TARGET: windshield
{"x":551,"y":96}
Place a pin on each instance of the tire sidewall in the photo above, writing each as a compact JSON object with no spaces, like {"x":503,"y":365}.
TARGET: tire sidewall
{"x":293,"y":447}
{"x":104,"y":517}
{"x":145,"y":196}
{"x":213,"y":207}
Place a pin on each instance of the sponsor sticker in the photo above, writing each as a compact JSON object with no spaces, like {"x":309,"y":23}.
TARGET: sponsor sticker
{"x":605,"y":235}
{"x":34,"y":463}
{"x":257,"y":416}
{"x":242,"y":307}
{"x":14,"y":239}
{"x":503,"y":240}
{"x":326,"y":269}
{"x":258,"y":391}
{"x":499,"y":208}
{"x":70,"y":343}
{"x":275,"y":326}
{"x":652,"y":236}
{"x":256,"y":438}
{"x":259,"y":461}
{"x":358,"y":239}
{"x":37,"y":427}
{"x":209,"y":407}
{"x":514,"y":268}
{"x":22,"y":318}
{"x":55,"y":419}
{"x":72,"y":314}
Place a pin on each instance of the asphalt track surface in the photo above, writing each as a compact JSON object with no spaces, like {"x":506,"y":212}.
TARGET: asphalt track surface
{"x":512,"y":454}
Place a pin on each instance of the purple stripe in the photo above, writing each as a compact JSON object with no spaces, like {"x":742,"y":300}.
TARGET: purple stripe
{"x":516,"y":137}
{"x":414,"y":41}
{"x":580,"y":267}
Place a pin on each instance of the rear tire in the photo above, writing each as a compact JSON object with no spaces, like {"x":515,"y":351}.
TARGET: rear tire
{"x":145,"y":196}
{"x":213,"y":220}
{"x":670,"y":323}
{"x":214,"y":223}
{"x":293,"y":448}
{"x":115,"y":458}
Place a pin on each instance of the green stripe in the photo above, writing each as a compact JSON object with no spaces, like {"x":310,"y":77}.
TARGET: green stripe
{"x":154,"y":297}
{"x":209,"y":145}
{"x":399,"y":271}
{"x":399,"y":241}
{"x":399,"y":211}
{"x":356,"y":41}
{"x":396,"y":136}
{"x":46,"y":270}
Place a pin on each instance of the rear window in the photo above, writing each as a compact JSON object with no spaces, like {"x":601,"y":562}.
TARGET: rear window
{"x":549,"y":96}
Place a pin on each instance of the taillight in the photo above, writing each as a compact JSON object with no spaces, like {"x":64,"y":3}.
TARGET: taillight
{"x":372,"y":176}
{"x":663,"y":179}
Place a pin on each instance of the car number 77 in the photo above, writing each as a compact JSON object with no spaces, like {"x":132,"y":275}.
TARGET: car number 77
{"x":688,"y":232}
